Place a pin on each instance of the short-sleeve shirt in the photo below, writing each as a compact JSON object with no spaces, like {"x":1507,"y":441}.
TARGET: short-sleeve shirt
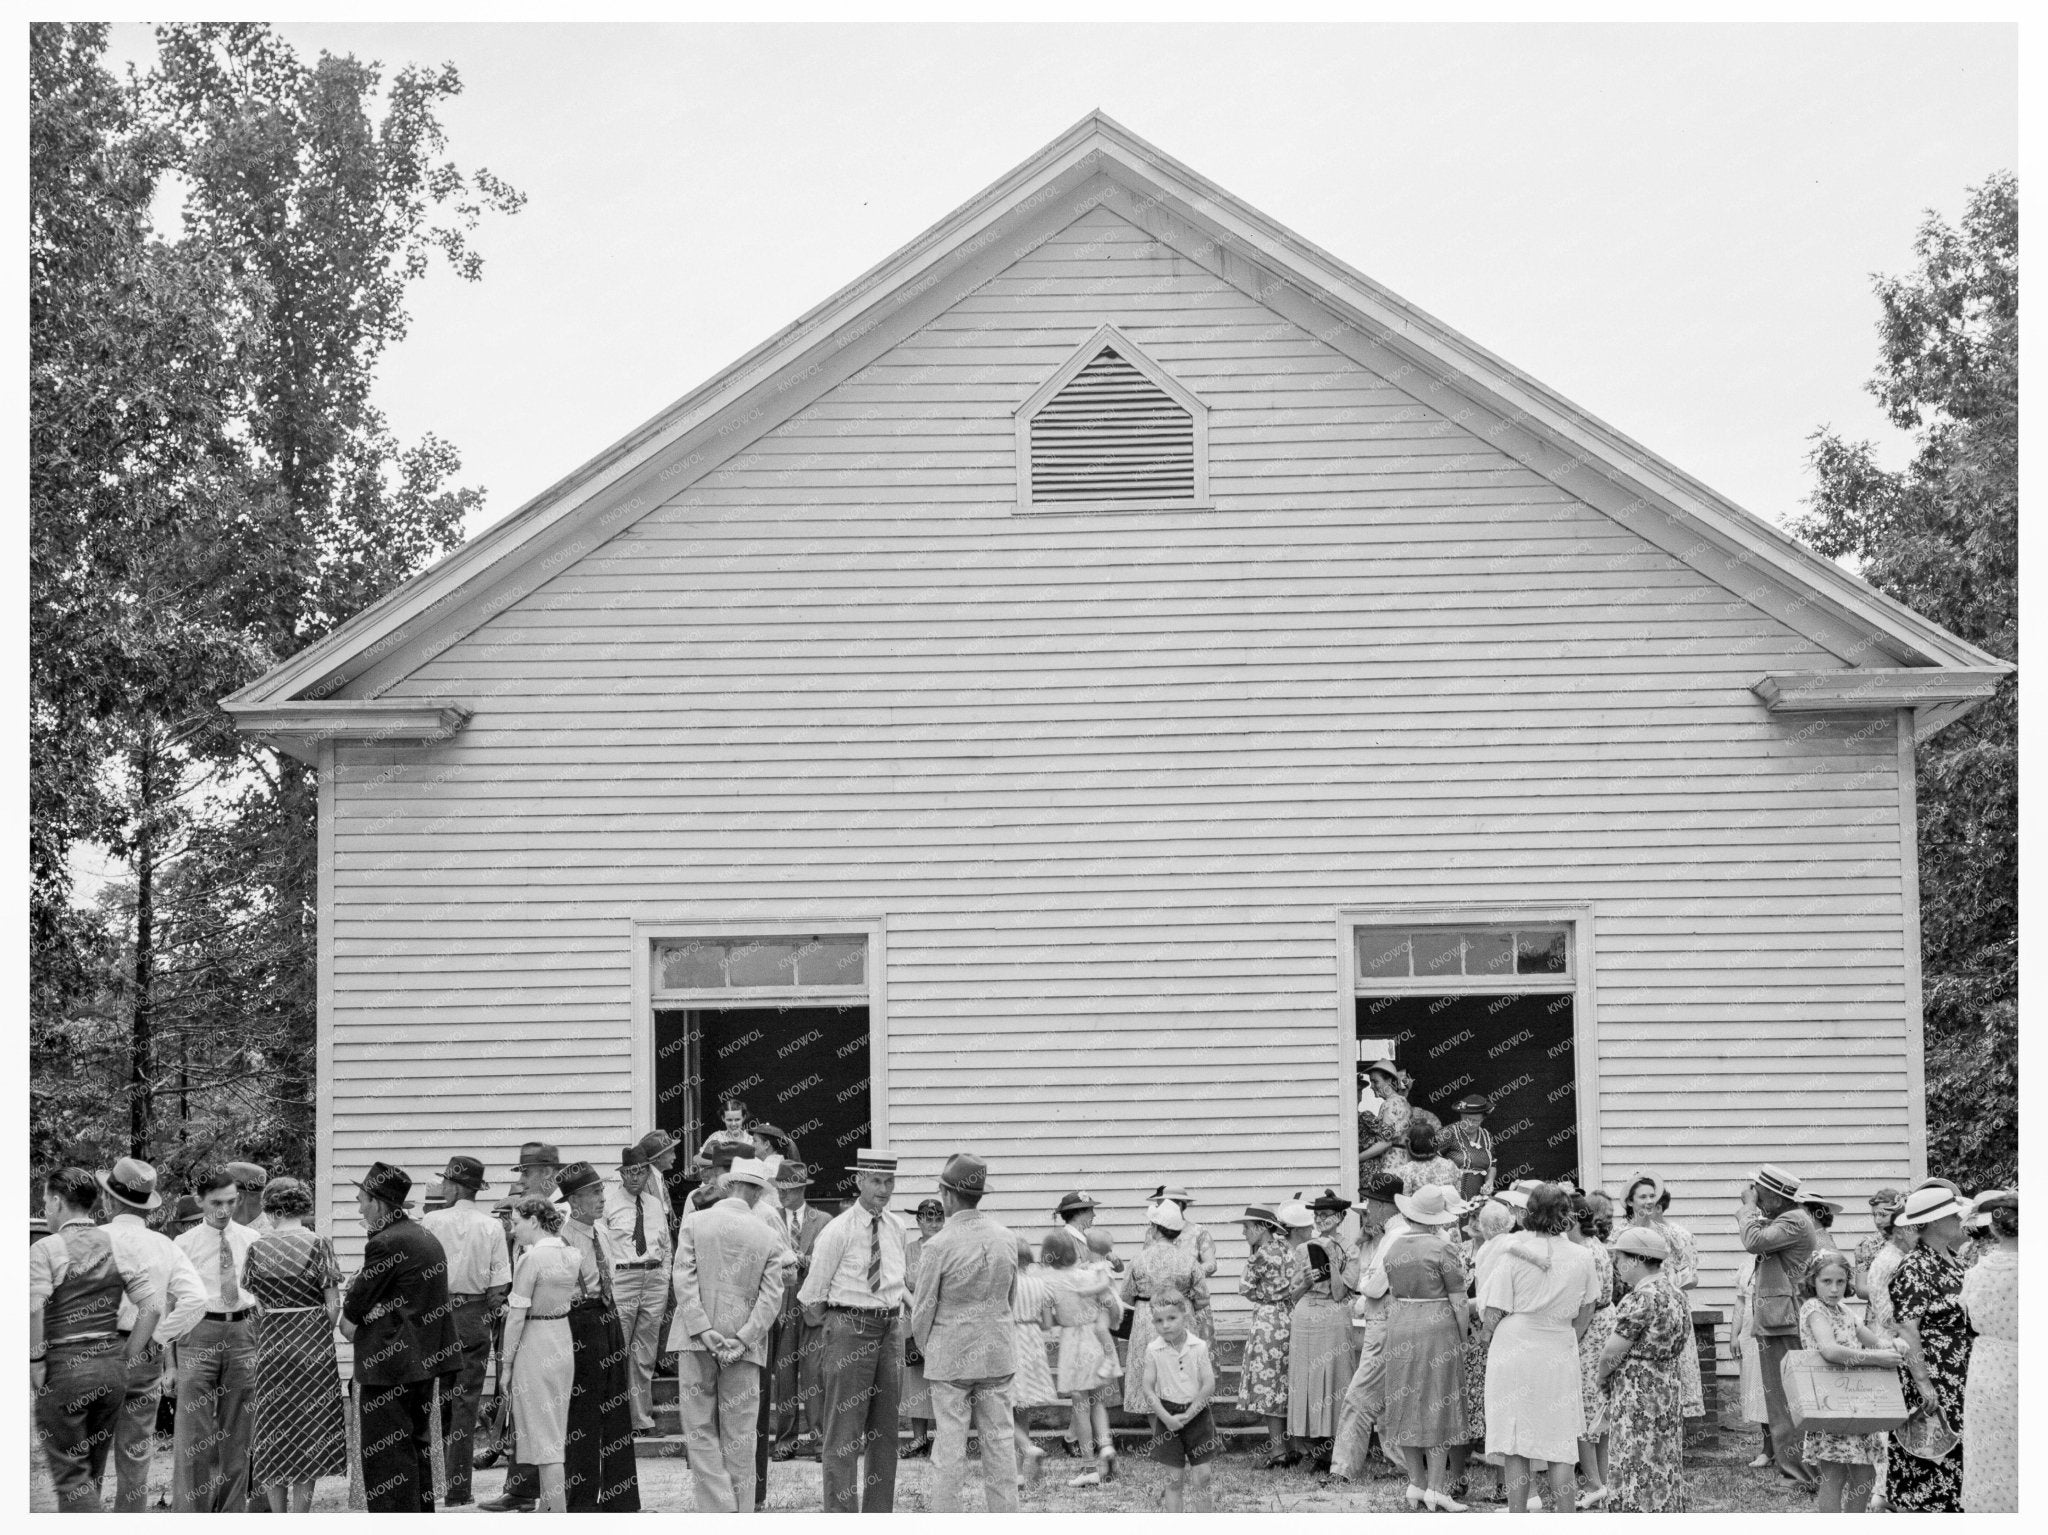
{"x":1176,"y":1370}
{"x":474,"y":1243}
{"x":202,"y":1245}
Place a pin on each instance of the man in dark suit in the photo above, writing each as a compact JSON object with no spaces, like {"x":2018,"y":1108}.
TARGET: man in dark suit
{"x":398,"y":1316}
{"x":789,"y":1399}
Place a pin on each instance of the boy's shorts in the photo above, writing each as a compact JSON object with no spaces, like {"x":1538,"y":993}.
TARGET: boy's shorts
{"x":1196,"y":1443}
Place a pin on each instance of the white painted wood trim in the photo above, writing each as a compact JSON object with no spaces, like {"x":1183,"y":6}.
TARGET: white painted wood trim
{"x":1870,"y":689}
{"x":324,"y":1173}
{"x":1347,"y":1052}
{"x":1909,"y":903}
{"x":878,"y":1033}
{"x":1179,"y":393}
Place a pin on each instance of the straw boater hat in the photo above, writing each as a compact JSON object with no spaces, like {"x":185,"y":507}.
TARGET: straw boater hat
{"x":873,"y":1159}
{"x":1926,"y":1205}
{"x":1644,"y":1242}
{"x":1264,"y":1215}
{"x":1179,"y":1196}
{"x":1775,"y":1180}
{"x":133,"y":1184}
{"x":1431,"y":1205}
{"x":1166,"y":1215}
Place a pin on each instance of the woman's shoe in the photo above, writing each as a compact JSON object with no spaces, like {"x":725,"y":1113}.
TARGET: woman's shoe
{"x":1594,"y":1499}
{"x":1442,"y":1502}
{"x":916,"y":1448}
{"x":1290,"y":1459}
{"x":1417,"y":1497}
{"x":1760,"y":1462}
{"x":1086,"y":1479}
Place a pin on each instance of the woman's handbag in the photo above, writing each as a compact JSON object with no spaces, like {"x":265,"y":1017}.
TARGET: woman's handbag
{"x":1926,"y":1435}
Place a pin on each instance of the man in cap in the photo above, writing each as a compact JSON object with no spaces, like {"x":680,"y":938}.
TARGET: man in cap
{"x":79,"y":1364}
{"x":966,"y":1282}
{"x":792,"y":1397}
{"x":250,"y":1181}
{"x":216,"y":1360}
{"x":1783,"y":1237}
{"x":640,"y":1273}
{"x":600,"y":1473}
{"x":479,"y":1279}
{"x":397,"y":1315}
{"x":534,"y":1178}
{"x":131,"y":1192}
{"x":1468,"y":1144}
{"x":854,"y":1295}
{"x":728,"y":1282}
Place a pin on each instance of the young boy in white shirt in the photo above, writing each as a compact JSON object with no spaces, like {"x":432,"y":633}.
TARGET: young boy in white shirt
{"x":1182,"y":1380}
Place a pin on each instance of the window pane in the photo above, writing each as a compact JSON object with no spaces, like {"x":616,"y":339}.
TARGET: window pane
{"x":1437,"y":953}
{"x":1382,"y":952}
{"x":761,"y":962}
{"x":1489,"y":953}
{"x":832,"y":962}
{"x":1540,"y":951}
{"x":695,"y":963}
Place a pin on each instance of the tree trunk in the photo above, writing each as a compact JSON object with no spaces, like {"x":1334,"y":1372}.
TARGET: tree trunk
{"x":140,"y":1021}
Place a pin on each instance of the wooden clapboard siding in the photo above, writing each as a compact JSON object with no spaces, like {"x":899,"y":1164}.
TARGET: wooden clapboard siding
{"x":1109,"y":777}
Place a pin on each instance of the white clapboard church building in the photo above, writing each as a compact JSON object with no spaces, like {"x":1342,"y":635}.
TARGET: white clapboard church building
{"x":1063,"y":694}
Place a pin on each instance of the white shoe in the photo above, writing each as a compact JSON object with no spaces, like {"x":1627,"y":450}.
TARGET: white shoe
{"x":1086,"y":1479}
{"x":1443,"y":1502}
{"x":1416,"y":1496}
{"x":1535,"y":1503}
{"x":1593,"y":1499}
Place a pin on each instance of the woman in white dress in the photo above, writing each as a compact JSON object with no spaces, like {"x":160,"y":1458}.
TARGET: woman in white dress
{"x":1537,"y":1296}
{"x":1991,"y":1428}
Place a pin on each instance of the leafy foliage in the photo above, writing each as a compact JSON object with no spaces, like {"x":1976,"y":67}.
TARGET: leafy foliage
{"x":212,"y":490}
{"x":1942,"y":536}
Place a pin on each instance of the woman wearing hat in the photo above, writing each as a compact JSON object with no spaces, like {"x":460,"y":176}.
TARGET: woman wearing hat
{"x":1647,"y":1202}
{"x":1638,"y":1372}
{"x":300,"y":1433}
{"x":1194,"y":1237}
{"x":1927,"y":1310}
{"x":1161,"y":1264}
{"x":1469,"y":1145}
{"x":1321,"y":1353}
{"x":915,"y":1402}
{"x":1268,"y":1284}
{"x":1426,"y":1164}
{"x":1423,"y":1355}
{"x":1383,"y":1115}
{"x":1991,"y":1429}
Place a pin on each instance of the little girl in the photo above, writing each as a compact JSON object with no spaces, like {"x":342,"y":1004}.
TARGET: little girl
{"x":1086,"y":1307}
{"x":1847,"y":1462}
{"x":1031,"y":1313}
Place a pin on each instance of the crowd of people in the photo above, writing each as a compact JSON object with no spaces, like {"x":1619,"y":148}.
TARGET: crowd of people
{"x":1530,"y":1332}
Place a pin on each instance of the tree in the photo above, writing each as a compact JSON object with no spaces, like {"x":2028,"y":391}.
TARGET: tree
{"x":1942,"y":536}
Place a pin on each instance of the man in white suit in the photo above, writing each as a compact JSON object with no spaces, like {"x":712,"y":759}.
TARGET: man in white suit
{"x":728,"y":1284}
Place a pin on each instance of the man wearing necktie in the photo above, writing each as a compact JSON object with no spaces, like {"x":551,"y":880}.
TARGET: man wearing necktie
{"x":599,"y":1471}
{"x":216,"y":1362}
{"x":638,"y":1224}
{"x":854,"y":1295}
{"x":792,"y":1402}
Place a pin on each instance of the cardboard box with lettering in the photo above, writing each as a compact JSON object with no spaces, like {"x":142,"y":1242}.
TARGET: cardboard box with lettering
{"x":1838,"y":1399}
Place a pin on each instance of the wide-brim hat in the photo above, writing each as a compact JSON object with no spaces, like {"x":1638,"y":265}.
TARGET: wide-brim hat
{"x":1295,"y":1215}
{"x":537,"y":1154}
{"x":247,"y":1175}
{"x":133,"y":1184}
{"x":1179,"y":1196}
{"x":964,"y":1173}
{"x":1264,"y":1215}
{"x":577,"y":1176}
{"x":1932,"y":1204}
{"x":1514,"y":1199}
{"x":1166,"y":1215}
{"x":873,"y":1159}
{"x":467,"y":1171}
{"x":1812,"y":1196}
{"x":725,"y":1153}
{"x":1430,"y":1205}
{"x":1995,"y":1199}
{"x":1775,"y":1180}
{"x":1472,"y":1103}
{"x":1385,"y":1068}
{"x":750,"y":1170}
{"x":1644,"y":1242}
{"x":390,"y":1184}
{"x":655,"y":1143}
{"x":1078,"y":1200}
{"x":632,"y":1156}
{"x":792,"y":1174}
{"x":1329,"y":1199}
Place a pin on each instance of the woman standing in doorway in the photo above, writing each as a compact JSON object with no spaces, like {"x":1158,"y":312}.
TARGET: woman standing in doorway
{"x":1383,"y":1115}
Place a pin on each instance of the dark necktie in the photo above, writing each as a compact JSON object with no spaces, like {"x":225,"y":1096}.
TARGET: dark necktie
{"x":230,"y":1292}
{"x":875,"y":1256}
{"x":639,"y":1226}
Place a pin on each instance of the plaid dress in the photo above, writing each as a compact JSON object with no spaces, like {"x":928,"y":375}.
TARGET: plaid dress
{"x":299,"y":1433}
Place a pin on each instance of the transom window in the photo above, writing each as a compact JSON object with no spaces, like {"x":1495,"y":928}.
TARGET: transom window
{"x":771,"y":965}
{"x":1435,"y":955}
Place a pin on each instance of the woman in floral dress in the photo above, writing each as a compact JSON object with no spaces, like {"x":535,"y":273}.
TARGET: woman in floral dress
{"x":1639,"y":1372}
{"x":1426,"y":1162}
{"x":1383,"y":1127}
{"x":1590,"y":1230}
{"x":1927,"y":1309}
{"x":300,"y":1433}
{"x":1268,"y":1283}
{"x":1647,"y":1202}
{"x":1845,"y":1463}
{"x":1163,"y":1264}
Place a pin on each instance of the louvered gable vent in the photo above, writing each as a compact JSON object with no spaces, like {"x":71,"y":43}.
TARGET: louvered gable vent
{"x":1110,"y":431}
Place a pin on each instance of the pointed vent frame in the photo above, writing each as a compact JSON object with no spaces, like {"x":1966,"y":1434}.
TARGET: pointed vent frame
{"x":1125,"y":437}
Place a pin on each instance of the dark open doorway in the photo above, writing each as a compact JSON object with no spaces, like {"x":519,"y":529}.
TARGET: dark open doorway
{"x":1515,"y":1049}
{"x":805,"y":1069}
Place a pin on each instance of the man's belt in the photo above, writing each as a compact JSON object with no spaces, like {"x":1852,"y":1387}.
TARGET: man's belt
{"x":874,"y":1311}
{"x":229,"y":1316}
{"x":637,"y":1263}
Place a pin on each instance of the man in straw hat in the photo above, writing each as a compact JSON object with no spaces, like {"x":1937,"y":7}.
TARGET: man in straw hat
{"x":638,"y":1223}
{"x":1783,"y":1236}
{"x":854,"y":1295}
{"x":728,"y":1283}
{"x":397,"y":1315}
{"x":966,"y":1282}
{"x":131,"y":1193}
{"x":479,"y":1279}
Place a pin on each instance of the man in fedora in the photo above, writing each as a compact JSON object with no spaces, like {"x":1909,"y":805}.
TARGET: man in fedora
{"x":250,"y":1181}
{"x":966,"y":1282}
{"x":398,"y":1317}
{"x":600,"y":1473}
{"x":534,"y":1178}
{"x":792,"y":1397}
{"x":1783,"y":1236}
{"x":854,"y":1295}
{"x":479,"y":1279}
{"x":638,"y":1222}
{"x":728,"y":1284}
{"x":131,"y":1193}
{"x":659,"y":1148}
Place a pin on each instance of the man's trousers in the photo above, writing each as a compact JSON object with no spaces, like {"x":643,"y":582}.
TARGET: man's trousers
{"x":720,"y":1405}
{"x":1787,"y":1443}
{"x":135,"y":1432}
{"x":216,"y":1418}
{"x":84,"y":1385}
{"x":398,"y":1445}
{"x":860,"y":1389}
{"x":987,"y":1403}
{"x":640,"y":1297}
{"x":461,"y":1402}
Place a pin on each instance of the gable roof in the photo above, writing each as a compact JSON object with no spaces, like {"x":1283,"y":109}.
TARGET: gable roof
{"x":1097,"y":161}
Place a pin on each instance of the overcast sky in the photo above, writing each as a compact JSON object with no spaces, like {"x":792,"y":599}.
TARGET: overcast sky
{"x":1674,"y":226}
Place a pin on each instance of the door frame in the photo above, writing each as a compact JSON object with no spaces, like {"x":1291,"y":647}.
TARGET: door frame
{"x":642,"y":936}
{"x":1576,"y":916}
